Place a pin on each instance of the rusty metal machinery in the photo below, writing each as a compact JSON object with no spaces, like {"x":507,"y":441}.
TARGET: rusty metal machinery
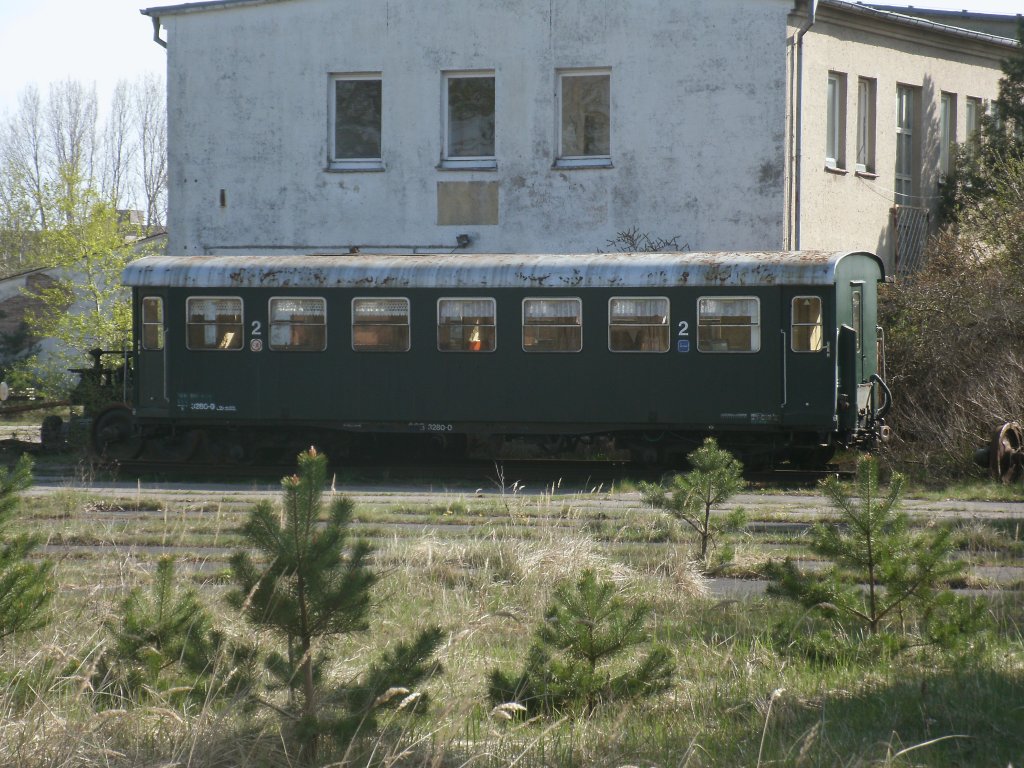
{"x":1004,"y":454}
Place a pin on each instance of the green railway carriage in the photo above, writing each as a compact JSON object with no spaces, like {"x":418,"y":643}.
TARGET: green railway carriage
{"x":777,"y":353}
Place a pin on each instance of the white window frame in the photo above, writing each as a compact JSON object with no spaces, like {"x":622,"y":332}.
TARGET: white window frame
{"x":866,"y":98}
{"x":906,"y":165}
{"x":756,"y":325}
{"x":493,"y":324}
{"x":835,"y":121}
{"x":974,"y":108}
{"x":241,"y":323}
{"x":580,"y":161}
{"x":408,"y":324}
{"x":480,"y":162}
{"x":334,"y":162}
{"x":666,"y":325}
{"x":523,"y":325}
{"x":947,"y":132}
{"x":270,"y":323}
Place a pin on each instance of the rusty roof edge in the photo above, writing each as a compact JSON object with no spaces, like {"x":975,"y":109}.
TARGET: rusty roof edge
{"x":492,"y":270}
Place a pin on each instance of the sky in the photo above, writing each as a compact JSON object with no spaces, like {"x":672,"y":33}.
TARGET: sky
{"x":45,"y":41}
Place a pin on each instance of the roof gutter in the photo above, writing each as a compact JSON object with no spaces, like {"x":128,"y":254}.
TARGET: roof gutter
{"x":156,"y":30}
{"x":796,"y":127}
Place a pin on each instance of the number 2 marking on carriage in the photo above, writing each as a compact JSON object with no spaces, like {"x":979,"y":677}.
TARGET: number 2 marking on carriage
{"x":257,"y":328}
{"x":684,"y":328}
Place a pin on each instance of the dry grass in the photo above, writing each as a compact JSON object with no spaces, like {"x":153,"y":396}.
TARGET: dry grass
{"x":488,"y":585}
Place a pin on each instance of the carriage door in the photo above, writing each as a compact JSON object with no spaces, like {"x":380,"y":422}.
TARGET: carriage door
{"x":151,"y":371}
{"x":808,"y":392}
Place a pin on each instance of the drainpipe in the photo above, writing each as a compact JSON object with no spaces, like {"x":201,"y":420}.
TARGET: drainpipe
{"x":156,"y":31}
{"x":798,"y":125}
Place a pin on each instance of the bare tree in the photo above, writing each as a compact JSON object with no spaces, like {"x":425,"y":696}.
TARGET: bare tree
{"x":151,"y":122}
{"x":24,"y":153}
{"x":71,"y":116}
{"x":118,"y":149}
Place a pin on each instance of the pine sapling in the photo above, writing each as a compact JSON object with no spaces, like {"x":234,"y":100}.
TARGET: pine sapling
{"x":574,"y":662}
{"x":163,"y":640}
{"x":26,"y":587}
{"x":880,"y":570}
{"x":690,"y":498}
{"x":311,"y":583}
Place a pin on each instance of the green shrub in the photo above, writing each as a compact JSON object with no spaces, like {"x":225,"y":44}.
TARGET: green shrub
{"x":571,"y":664}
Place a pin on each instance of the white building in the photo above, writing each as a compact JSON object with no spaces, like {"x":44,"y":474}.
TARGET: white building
{"x":552,"y":125}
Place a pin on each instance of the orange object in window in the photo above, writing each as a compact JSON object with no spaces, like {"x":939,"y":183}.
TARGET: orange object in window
{"x":474,"y":340}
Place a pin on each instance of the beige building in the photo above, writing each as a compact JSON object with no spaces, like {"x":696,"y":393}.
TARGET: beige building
{"x":879,"y":101}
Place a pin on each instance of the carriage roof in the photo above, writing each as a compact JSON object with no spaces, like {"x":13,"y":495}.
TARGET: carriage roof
{"x":534,"y":271}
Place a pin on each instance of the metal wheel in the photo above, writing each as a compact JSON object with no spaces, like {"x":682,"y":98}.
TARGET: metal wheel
{"x":114,"y":435}
{"x":51,"y":433}
{"x":175,"y":448}
{"x":812,"y":456}
{"x":1006,"y":453}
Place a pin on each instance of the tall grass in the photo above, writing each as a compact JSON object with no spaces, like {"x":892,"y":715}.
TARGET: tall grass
{"x":744,"y":695}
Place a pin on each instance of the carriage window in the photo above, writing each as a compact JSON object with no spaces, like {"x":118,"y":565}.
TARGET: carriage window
{"x":465,"y":325}
{"x":298,"y":325}
{"x":152,"y":322}
{"x":552,"y":325}
{"x":638,"y":324}
{"x":856,"y":313}
{"x":729,"y":324}
{"x":807,"y":333}
{"x":214,"y":323}
{"x":380,"y":325}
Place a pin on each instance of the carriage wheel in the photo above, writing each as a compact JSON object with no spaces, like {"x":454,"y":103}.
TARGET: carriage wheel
{"x":114,"y":435}
{"x":1006,"y":458}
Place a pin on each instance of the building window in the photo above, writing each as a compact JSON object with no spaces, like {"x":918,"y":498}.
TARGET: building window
{"x":729,"y":324}
{"x":947,"y":132}
{"x":469,"y":120}
{"x":835,"y":121}
{"x":906,"y":162}
{"x":584,"y":137}
{"x":214,"y":322}
{"x":466,"y":325}
{"x":552,"y":325}
{"x":973,"y":112}
{"x":356,"y":117}
{"x":298,"y":325}
{"x":152,"y":322}
{"x":866,"y":125}
{"x":807,"y":329}
{"x":380,"y":325}
{"x":638,"y":324}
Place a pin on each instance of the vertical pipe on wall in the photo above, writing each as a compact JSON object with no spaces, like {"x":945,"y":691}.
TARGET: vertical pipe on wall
{"x":797,"y":127}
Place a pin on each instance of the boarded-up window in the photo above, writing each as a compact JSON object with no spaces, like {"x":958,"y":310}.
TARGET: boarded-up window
{"x":380,"y":325}
{"x":298,"y":324}
{"x":638,"y":324}
{"x":552,"y":325}
{"x":214,"y":322}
